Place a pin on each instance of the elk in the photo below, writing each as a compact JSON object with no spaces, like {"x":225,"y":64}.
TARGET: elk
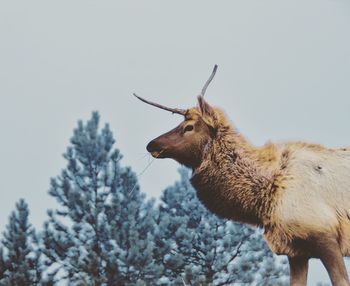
{"x":297,"y":192}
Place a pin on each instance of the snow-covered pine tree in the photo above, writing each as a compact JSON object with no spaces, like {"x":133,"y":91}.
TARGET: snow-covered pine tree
{"x":19,"y":261}
{"x":102,"y":232}
{"x":132,"y":228}
{"x":2,"y":263}
{"x":198,"y":248}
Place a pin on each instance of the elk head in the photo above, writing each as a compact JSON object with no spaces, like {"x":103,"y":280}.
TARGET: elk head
{"x":187,"y":142}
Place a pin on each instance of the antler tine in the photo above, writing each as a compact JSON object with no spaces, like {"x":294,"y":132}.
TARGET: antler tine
{"x":173,"y":110}
{"x":204,"y":89}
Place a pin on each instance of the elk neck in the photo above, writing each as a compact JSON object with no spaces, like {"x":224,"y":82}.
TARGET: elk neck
{"x":236,"y":180}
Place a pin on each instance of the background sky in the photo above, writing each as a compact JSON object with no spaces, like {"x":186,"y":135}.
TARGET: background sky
{"x":284,"y":73}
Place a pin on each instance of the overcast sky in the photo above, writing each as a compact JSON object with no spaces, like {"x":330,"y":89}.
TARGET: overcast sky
{"x":284,"y":69}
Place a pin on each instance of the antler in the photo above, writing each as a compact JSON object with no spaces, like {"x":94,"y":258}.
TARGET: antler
{"x":204,"y":89}
{"x":173,"y":110}
{"x":177,"y":110}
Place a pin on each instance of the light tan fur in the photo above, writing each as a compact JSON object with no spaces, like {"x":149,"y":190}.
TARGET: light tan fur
{"x":315,"y":196}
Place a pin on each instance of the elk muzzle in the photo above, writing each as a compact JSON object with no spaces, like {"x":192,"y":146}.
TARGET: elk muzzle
{"x":164,"y":145}
{"x":155,"y":149}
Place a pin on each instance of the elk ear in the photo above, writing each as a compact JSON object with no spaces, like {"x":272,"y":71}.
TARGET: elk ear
{"x":208,"y":113}
{"x":205,"y":108}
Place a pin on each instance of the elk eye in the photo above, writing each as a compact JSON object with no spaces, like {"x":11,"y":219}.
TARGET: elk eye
{"x":188,"y":128}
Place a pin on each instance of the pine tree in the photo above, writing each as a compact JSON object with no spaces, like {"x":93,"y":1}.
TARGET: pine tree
{"x":19,"y":258}
{"x":102,"y":232}
{"x":198,"y":248}
{"x":2,"y":263}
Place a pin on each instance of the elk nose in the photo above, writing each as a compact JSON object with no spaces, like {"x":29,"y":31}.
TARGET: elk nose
{"x":151,"y":146}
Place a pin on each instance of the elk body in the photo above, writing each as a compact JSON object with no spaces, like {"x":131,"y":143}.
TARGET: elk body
{"x":297,"y":192}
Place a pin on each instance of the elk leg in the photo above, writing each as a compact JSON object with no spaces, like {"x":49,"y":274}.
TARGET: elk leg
{"x":298,"y":270}
{"x":329,"y":252}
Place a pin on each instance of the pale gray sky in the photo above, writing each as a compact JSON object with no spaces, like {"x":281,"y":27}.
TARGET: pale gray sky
{"x":284,"y":70}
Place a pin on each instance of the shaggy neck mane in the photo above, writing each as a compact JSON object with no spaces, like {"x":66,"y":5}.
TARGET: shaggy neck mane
{"x":235,"y":180}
